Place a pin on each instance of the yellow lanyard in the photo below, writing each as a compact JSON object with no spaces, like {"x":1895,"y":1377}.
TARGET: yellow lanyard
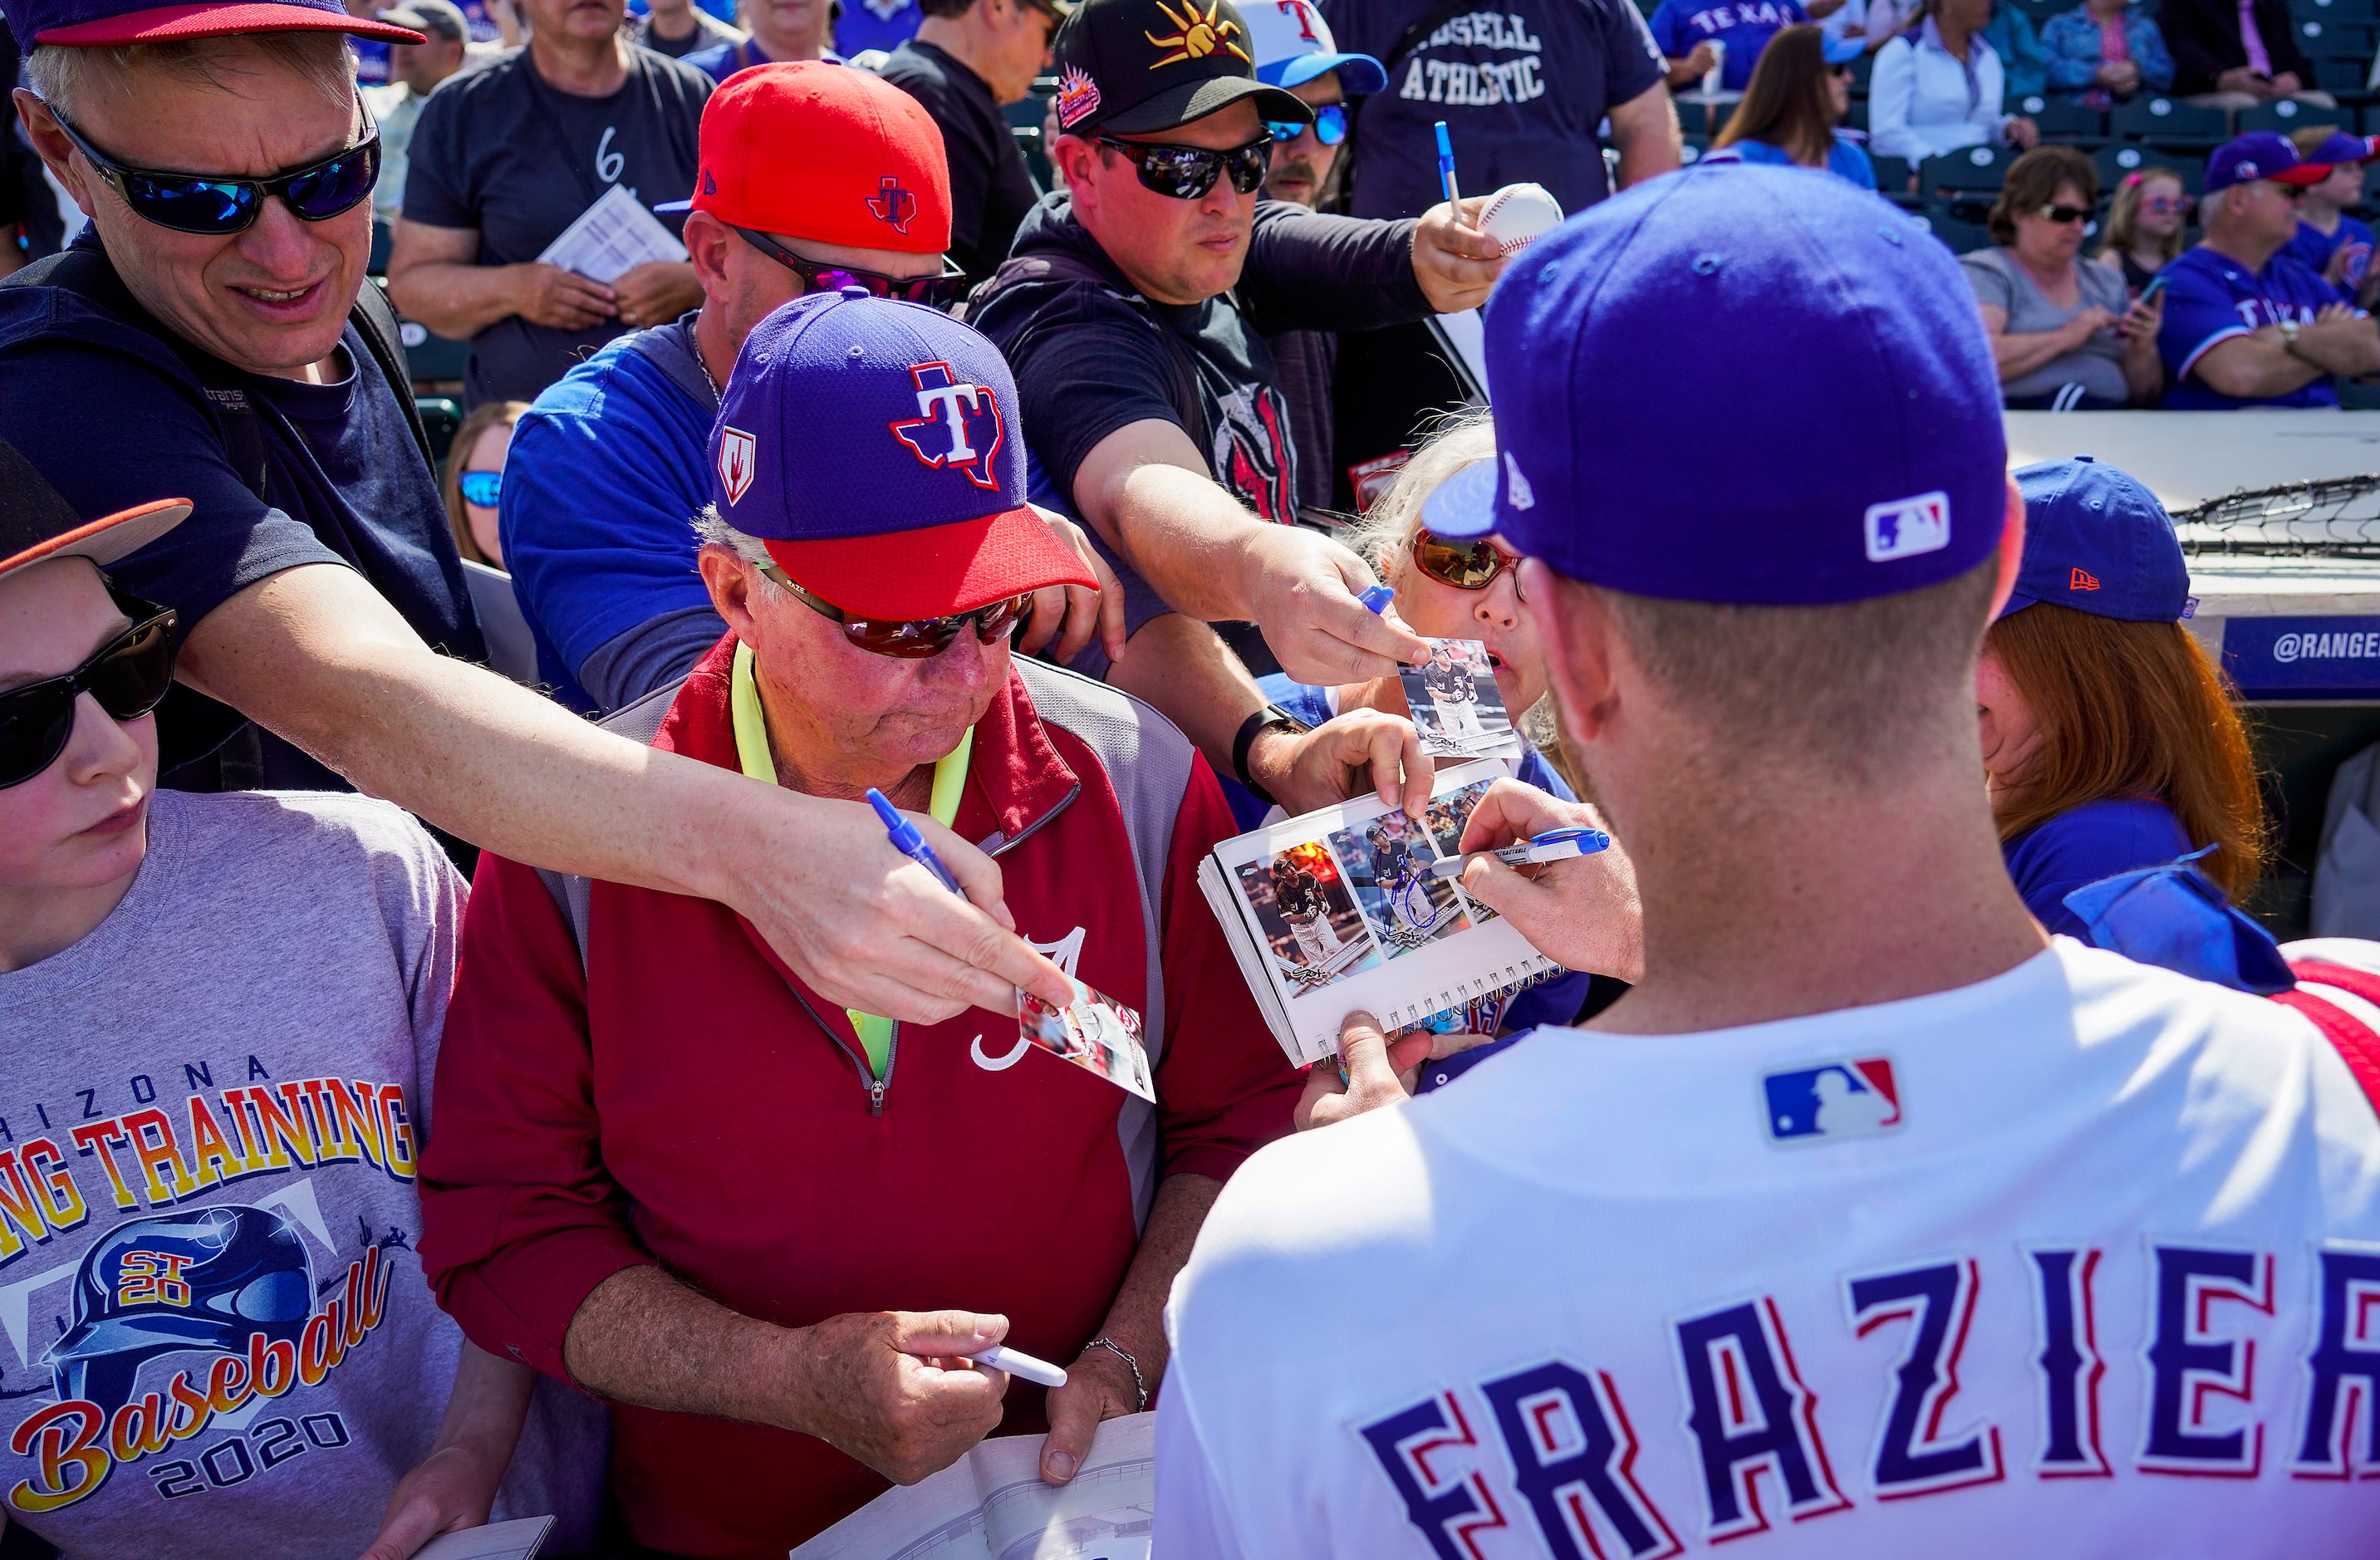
{"x":752,"y":756}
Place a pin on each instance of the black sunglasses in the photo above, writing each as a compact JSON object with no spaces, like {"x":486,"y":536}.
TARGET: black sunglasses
{"x":128,"y":677}
{"x":2065,"y":216}
{"x":1185,"y":173}
{"x":1330,"y":126}
{"x":218,"y":207}
{"x":935,"y":292}
{"x":915,"y":639}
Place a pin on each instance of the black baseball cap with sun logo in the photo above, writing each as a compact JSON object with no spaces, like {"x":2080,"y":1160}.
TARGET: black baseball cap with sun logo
{"x":1139,"y":66}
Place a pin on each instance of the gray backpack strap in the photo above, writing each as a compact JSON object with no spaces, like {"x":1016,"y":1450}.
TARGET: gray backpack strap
{"x":640,"y":721}
{"x":671,"y":349}
{"x":1148,"y":762}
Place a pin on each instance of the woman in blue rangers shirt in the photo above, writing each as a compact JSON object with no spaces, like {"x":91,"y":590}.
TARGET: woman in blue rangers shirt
{"x":2110,"y":742}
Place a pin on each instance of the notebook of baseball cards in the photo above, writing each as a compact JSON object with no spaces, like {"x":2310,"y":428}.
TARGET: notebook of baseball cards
{"x":1337,"y":912}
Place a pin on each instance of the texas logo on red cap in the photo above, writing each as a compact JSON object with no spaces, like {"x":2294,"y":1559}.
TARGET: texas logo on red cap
{"x":2082,"y":579}
{"x":892,"y":204}
{"x":957,"y":427}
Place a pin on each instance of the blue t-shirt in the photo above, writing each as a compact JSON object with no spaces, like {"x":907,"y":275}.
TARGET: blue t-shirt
{"x":606,"y":472}
{"x":2210,"y":298}
{"x":2312,"y":248}
{"x":1843,"y":160}
{"x":113,"y":418}
{"x":1522,"y":85}
{"x":876,"y":24}
{"x":1742,"y":27}
{"x":723,"y":60}
{"x":2086,"y":845}
{"x":1554,"y":1001}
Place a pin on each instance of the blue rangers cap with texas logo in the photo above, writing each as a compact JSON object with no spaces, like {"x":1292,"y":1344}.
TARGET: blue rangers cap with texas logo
{"x":1633,"y":452}
{"x":876,"y":449}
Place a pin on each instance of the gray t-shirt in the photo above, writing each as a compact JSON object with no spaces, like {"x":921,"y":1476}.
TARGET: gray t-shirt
{"x":217,"y":1338}
{"x":2098,"y":365}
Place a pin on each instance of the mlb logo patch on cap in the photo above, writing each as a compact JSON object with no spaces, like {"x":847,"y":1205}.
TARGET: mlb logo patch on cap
{"x":1852,"y":1098}
{"x":1906,"y":527}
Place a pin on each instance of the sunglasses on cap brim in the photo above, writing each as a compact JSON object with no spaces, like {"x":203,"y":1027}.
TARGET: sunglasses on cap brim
{"x":129,"y":676}
{"x":1186,"y":173}
{"x":912,"y":638}
{"x":218,"y":207}
{"x":938,"y":291}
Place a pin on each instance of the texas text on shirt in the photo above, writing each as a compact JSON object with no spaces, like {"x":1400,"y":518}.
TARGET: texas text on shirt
{"x":2210,"y":297}
{"x":2105,"y":1246}
{"x":1742,"y":27}
{"x":1522,"y":87}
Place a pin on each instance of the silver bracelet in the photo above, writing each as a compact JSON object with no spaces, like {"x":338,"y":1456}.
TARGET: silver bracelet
{"x":1130,"y":1363}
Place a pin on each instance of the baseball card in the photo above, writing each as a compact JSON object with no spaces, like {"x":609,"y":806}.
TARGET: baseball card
{"x":1316,"y":934}
{"x":1446,"y":816}
{"x":1456,"y":707}
{"x":1388,"y":866}
{"x":1096,"y":1033}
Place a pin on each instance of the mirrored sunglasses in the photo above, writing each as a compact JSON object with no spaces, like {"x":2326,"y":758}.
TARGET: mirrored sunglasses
{"x":938,"y":291}
{"x":1330,"y":126}
{"x":1465,"y":565}
{"x":483,"y":488}
{"x":913,"y":638}
{"x":217,"y":207}
{"x":1186,"y":173}
{"x":129,"y":677}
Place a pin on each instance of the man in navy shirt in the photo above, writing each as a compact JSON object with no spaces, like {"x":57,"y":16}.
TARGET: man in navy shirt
{"x":1521,"y":87}
{"x":2245,"y":324}
{"x":201,"y":345}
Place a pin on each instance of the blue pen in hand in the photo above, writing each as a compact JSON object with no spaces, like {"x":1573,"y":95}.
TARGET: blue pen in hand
{"x":1446,"y":167}
{"x":1376,"y":600}
{"x":909,"y":842}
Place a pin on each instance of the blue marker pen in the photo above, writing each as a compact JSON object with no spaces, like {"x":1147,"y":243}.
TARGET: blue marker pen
{"x":909,"y":842}
{"x":1376,"y":600}
{"x":1446,"y":166}
{"x":1558,"y":844}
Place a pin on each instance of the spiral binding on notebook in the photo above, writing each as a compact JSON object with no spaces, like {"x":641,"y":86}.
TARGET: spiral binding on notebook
{"x":1490,"y":985}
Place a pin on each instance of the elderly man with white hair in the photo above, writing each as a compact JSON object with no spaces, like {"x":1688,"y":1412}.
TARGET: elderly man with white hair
{"x":212,"y":335}
{"x":770,"y":1231}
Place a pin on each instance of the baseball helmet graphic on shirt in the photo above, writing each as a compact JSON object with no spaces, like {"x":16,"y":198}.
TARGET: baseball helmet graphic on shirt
{"x":177,"y":1282}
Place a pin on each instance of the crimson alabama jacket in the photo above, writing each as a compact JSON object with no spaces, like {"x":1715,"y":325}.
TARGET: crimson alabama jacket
{"x":665,"y":1097}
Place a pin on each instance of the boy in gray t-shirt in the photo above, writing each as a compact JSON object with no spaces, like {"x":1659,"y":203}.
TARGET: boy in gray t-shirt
{"x":219,"y":1016}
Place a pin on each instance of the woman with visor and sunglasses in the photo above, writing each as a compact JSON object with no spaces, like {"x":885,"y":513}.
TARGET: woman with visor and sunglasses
{"x":2066,"y":335}
{"x":210,"y":941}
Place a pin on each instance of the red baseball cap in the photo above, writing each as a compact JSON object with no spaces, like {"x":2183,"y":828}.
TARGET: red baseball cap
{"x":89,"y":24}
{"x":813,"y":149}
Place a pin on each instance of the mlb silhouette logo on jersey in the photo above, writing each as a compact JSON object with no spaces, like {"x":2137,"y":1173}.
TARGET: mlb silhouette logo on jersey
{"x":1906,"y":527}
{"x":1835,"y":1099}
{"x":957,"y":426}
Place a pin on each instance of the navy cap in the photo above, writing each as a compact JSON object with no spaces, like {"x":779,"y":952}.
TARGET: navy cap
{"x":2260,"y":154}
{"x":2097,"y":542}
{"x":851,"y":418}
{"x":1870,"y":461}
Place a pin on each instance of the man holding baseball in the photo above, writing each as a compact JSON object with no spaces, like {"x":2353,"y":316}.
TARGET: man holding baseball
{"x":1132,"y":310}
{"x":1869,"y":1202}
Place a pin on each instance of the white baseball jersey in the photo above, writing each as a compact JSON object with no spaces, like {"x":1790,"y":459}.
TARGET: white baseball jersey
{"x":2081,"y":1260}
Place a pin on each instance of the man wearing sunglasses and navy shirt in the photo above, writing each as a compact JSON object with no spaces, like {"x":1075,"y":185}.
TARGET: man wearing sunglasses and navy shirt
{"x":207,"y":337}
{"x":755,"y":1246}
{"x":2246,"y":323}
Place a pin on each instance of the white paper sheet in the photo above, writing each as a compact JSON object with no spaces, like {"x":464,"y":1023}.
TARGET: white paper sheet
{"x":991,"y":1504}
{"x":611,"y":239}
{"x":498,"y":1541}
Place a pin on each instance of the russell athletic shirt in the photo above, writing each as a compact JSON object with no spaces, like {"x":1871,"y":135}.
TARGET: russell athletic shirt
{"x":2081,"y":1260}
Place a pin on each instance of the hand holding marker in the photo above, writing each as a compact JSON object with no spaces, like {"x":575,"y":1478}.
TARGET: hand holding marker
{"x":1558,"y":844}
{"x":909,"y":842}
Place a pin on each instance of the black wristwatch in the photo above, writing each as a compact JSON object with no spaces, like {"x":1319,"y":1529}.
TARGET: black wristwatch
{"x":1270,"y":717}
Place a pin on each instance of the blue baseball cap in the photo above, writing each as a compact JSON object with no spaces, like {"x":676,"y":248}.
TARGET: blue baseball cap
{"x":2260,"y":154}
{"x":851,"y":419}
{"x":1871,"y":460}
{"x":103,"y":23}
{"x":2339,"y":148}
{"x":1293,"y":45}
{"x":2097,"y":542}
{"x":1842,"y":51}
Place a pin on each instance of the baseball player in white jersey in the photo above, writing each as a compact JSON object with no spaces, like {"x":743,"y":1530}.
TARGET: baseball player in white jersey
{"x":1871,"y":1222}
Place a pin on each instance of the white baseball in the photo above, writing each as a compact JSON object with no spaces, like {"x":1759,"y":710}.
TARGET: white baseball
{"x":1515,"y":214}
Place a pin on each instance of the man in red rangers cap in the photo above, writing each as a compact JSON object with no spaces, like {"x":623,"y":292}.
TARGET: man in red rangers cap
{"x":766,"y":1228}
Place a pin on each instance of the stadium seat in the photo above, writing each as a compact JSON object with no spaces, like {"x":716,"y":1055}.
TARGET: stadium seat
{"x":2115,"y":162}
{"x":2071,"y":124}
{"x":1891,"y":174}
{"x":1856,"y":118}
{"x":1024,"y":119}
{"x":1958,"y":233}
{"x":1691,"y":151}
{"x":2287,"y":116}
{"x":2343,"y":77}
{"x":378,"y":264}
{"x":2170,"y":122}
{"x":2334,"y":35}
{"x":1972,"y":167}
{"x":2333,"y":10}
{"x":442,"y":418}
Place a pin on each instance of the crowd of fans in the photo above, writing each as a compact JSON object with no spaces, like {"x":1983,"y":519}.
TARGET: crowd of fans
{"x":1012,"y":459}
